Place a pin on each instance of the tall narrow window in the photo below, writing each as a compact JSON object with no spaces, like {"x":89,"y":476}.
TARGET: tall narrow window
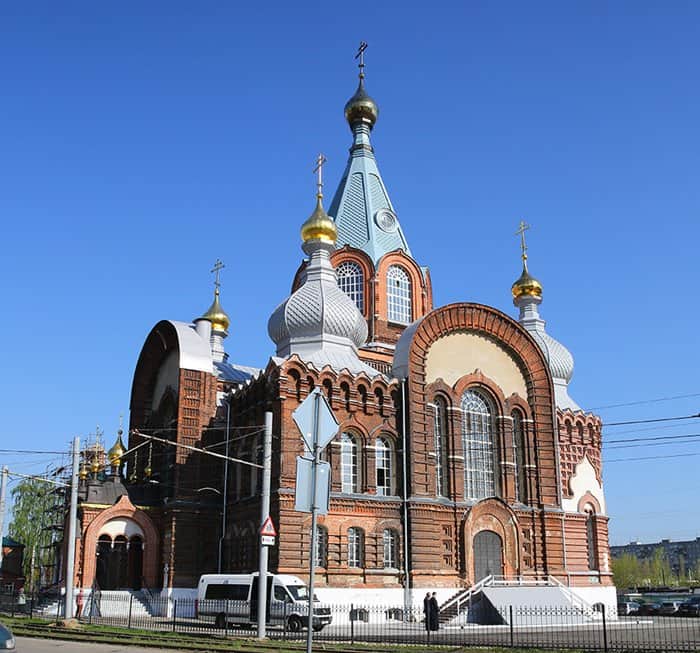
{"x":442,"y":487}
{"x":355,"y":547}
{"x":390,"y":542}
{"x":521,"y":493}
{"x":348,"y":463}
{"x":398,"y":295}
{"x":590,"y":538}
{"x":321,"y":546}
{"x":478,"y":442}
{"x":352,"y":282}
{"x":382,"y":452}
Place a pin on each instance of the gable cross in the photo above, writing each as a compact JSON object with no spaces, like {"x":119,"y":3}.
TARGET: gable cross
{"x":361,"y":56}
{"x":320,"y":160}
{"x":218,"y":266}
{"x":521,"y":232}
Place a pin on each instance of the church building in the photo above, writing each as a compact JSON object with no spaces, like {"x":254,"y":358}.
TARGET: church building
{"x":460,"y":454}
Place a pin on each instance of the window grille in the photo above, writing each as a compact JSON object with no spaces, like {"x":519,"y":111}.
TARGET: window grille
{"x":352,"y":282}
{"x":355,"y":547}
{"x":383,"y":461}
{"x":391,"y":545}
{"x":348,"y":463}
{"x":519,"y":457}
{"x":399,"y":295}
{"x":477,"y":438}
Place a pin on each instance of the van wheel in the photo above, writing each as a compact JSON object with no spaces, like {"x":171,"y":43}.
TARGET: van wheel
{"x":318,"y":628}
{"x":295,"y":624}
{"x":220,"y":621}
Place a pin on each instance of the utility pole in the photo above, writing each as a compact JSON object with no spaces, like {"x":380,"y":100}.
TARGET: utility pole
{"x":264,"y":515}
{"x":314,"y":510}
{"x":224,"y":507}
{"x":72,"y":523}
{"x":3,"y":490}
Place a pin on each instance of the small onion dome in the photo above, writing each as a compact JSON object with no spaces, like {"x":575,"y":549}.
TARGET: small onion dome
{"x":361,"y":107}
{"x":526,"y":286}
{"x":319,"y":226}
{"x":220,"y":321}
{"x":95,"y":465}
{"x":114,"y":455}
{"x":83,"y":473}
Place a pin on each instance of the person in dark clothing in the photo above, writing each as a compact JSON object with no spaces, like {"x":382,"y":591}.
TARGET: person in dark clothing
{"x":426,"y":610}
{"x":434,"y":612}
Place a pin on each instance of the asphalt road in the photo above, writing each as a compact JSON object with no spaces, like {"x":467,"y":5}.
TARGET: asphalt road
{"x":29,"y":645}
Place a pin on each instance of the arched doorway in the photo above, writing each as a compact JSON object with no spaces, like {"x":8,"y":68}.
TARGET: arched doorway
{"x":119,"y":553}
{"x":488,"y":555}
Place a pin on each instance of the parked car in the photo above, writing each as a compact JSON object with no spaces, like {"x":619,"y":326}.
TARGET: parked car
{"x":669,"y":607}
{"x":627,"y":607}
{"x":649,"y":609}
{"x":7,"y":640}
{"x":691,"y":607}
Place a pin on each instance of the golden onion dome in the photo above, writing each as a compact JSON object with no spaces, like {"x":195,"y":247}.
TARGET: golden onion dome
{"x":83,"y":473}
{"x":114,"y":455}
{"x":361,"y":107}
{"x":319,"y":225}
{"x":526,"y":286}
{"x":147,"y":472}
{"x":95,"y":465}
{"x":220,"y":321}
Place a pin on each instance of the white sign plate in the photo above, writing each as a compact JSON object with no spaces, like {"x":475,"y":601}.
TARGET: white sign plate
{"x":302,"y":497}
{"x":267,"y":540}
{"x":304,"y":418}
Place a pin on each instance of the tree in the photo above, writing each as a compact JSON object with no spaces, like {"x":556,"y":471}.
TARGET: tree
{"x":627,"y":571}
{"x":33,"y":513}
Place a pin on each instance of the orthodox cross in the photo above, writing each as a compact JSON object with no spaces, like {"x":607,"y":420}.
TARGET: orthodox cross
{"x":218,"y":266}
{"x":521,"y":232}
{"x":319,"y":169}
{"x":361,"y":56}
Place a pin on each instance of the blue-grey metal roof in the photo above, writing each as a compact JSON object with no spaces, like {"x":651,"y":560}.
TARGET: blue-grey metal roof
{"x":235,"y":373}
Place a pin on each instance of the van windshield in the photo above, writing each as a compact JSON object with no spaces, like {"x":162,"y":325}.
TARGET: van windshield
{"x":298,"y":592}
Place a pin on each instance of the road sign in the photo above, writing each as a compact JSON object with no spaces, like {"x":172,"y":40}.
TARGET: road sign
{"x":268,"y":528}
{"x":327,"y":425}
{"x":302,"y":497}
{"x":267,"y":540}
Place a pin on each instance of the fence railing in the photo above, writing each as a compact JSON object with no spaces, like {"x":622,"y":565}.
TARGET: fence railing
{"x":507,"y":626}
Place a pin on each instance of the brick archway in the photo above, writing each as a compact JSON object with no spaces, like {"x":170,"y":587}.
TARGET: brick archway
{"x":122,"y":509}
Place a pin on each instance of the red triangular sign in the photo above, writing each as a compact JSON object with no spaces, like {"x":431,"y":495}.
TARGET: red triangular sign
{"x":268,"y":528}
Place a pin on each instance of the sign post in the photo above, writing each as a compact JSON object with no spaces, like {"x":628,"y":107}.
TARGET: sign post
{"x":318,"y":427}
{"x":267,"y":530}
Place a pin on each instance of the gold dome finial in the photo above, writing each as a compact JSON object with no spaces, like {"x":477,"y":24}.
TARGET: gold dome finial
{"x":114,"y":455}
{"x":526,"y":285}
{"x":83,"y":471}
{"x":218,"y":317}
{"x":361,"y":107}
{"x":319,"y":225}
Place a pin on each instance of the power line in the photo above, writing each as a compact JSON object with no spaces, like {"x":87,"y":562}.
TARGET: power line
{"x":652,"y":444}
{"x":649,"y":421}
{"x":645,"y":401}
{"x":678,"y":455}
{"x":29,"y":451}
{"x":657,"y":437}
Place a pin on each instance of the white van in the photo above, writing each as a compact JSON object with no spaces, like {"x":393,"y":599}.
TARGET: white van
{"x":233,"y":599}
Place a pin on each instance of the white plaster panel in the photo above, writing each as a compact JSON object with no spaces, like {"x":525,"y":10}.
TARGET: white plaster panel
{"x":581,"y":482}
{"x":463,"y":352}
{"x":126,"y":527}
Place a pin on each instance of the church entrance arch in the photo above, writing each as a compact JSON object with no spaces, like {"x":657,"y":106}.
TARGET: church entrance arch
{"x":488,"y":555}
{"x":119,"y":563}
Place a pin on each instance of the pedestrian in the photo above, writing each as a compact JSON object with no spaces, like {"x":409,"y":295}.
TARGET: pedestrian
{"x":426,"y":611}
{"x":434,"y":611}
{"x":79,"y":603}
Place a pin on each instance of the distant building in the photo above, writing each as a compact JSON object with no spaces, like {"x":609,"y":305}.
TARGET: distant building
{"x":11,"y":573}
{"x":680,"y":555}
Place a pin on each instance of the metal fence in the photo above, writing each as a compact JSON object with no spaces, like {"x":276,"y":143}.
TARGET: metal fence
{"x":508,"y":626}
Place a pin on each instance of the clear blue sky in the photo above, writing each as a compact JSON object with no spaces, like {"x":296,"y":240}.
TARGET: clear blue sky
{"x":141,"y":141}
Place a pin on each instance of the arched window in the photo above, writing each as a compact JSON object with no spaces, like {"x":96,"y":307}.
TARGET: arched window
{"x":352,"y":282}
{"x":356,"y":545}
{"x":591,"y":538}
{"x":390,"y":541}
{"x":398,"y":295}
{"x":479,"y":450}
{"x":321,"y":546}
{"x":442,"y":483}
{"x":348,"y":463}
{"x":519,"y":457}
{"x":383,"y":465}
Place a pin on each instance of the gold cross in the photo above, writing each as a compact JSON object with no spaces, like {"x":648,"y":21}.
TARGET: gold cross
{"x":218,"y":266}
{"x":521,"y":232}
{"x":320,"y":160}
{"x":361,"y":56}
